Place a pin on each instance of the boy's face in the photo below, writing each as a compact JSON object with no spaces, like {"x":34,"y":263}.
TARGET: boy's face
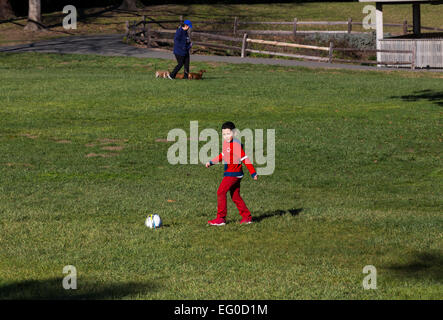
{"x":227,"y":134}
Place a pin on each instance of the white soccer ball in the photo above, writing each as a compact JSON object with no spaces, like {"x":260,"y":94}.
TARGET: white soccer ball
{"x":153,"y":221}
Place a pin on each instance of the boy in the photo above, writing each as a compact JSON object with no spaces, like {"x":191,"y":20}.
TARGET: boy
{"x":232,"y":155}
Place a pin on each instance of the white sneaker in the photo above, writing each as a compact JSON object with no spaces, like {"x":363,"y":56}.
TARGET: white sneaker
{"x":169,"y":77}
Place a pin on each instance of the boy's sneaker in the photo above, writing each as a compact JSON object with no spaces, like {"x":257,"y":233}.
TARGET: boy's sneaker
{"x":217,"y":222}
{"x":169,"y":77}
{"x":246,"y":220}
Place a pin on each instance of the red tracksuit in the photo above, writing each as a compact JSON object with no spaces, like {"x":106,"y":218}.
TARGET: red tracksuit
{"x":232,"y":155}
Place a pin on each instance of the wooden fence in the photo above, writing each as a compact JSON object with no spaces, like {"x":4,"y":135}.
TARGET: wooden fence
{"x":349,"y":23}
{"x":329,"y":49}
{"x":142,"y":32}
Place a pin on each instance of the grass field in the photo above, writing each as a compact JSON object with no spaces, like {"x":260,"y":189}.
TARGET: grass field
{"x":358,"y":181}
{"x":105,"y":20}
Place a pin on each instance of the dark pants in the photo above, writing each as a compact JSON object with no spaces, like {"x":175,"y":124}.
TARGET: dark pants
{"x":181,"y":60}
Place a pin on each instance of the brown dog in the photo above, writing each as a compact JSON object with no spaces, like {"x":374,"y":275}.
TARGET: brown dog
{"x":161,"y":74}
{"x":196,"y":76}
{"x":192,"y":75}
{"x":179,"y":76}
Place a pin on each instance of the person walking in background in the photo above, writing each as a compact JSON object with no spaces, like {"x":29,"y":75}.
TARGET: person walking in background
{"x":182,"y":45}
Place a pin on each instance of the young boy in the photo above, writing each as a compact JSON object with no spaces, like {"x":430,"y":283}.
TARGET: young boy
{"x":232,"y":155}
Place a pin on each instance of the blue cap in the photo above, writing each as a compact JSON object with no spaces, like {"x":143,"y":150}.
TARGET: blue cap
{"x":188,"y":23}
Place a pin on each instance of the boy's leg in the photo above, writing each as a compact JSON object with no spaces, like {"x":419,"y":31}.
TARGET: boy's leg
{"x":224,"y":187}
{"x":238,"y":200}
{"x":186,"y":63}
{"x":180,"y":62}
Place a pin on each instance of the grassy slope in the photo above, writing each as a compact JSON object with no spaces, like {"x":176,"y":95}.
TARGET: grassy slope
{"x":358,"y":155}
{"x":114,"y":21}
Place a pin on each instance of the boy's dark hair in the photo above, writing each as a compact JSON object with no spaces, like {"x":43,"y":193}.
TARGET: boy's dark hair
{"x":228,"y":125}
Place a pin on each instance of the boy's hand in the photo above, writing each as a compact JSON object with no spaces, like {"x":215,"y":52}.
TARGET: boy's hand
{"x":255,"y":178}
{"x":208,"y":164}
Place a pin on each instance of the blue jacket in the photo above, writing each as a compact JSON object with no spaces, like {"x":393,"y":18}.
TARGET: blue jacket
{"x":182,"y":43}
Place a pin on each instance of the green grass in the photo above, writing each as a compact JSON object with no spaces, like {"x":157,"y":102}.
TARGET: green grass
{"x":329,"y":11}
{"x":358,"y":181}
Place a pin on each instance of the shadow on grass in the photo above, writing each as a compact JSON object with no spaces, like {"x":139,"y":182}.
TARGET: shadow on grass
{"x":270,"y":214}
{"x":421,"y":265}
{"x":435,"y":97}
{"x":52,"y":289}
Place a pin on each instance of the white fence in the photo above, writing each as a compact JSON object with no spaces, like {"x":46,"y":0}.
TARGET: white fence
{"x":428,"y":52}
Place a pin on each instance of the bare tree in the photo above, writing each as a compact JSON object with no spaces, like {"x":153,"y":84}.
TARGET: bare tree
{"x":34,"y":16}
{"x":128,"y":5}
{"x":5,"y":9}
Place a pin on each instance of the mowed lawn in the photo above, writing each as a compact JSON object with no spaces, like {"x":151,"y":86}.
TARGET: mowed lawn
{"x":83,"y":161}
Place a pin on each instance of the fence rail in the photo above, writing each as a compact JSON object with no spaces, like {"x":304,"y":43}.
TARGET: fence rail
{"x":288,"y":55}
{"x":285,"y":44}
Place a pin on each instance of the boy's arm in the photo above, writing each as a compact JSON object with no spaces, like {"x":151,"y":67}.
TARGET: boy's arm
{"x":248,"y":164}
{"x":216,"y":159}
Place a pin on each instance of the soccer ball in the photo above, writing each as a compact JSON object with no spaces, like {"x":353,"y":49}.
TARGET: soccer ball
{"x":153,"y":221}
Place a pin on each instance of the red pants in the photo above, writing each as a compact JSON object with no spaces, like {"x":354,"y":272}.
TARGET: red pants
{"x":231,"y":184}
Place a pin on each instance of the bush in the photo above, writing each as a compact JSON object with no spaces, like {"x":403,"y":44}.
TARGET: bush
{"x":357,"y":40}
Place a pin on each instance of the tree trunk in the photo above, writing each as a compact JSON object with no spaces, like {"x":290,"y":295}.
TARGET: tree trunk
{"x":128,"y":5}
{"x":34,"y":16}
{"x":5,"y":10}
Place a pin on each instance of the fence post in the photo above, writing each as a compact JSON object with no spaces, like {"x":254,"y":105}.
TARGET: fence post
{"x":181,"y":20}
{"x":244,"y":45}
{"x":144,"y":27}
{"x":127,"y":30}
{"x":405,"y":27}
{"x":148,"y":35}
{"x":414,"y":55}
{"x":235,"y":25}
{"x":295,"y":27}
{"x":349,"y":25}
{"x":331,"y":50}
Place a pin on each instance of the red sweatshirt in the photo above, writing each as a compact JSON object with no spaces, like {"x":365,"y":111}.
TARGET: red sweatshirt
{"x":233,"y":155}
